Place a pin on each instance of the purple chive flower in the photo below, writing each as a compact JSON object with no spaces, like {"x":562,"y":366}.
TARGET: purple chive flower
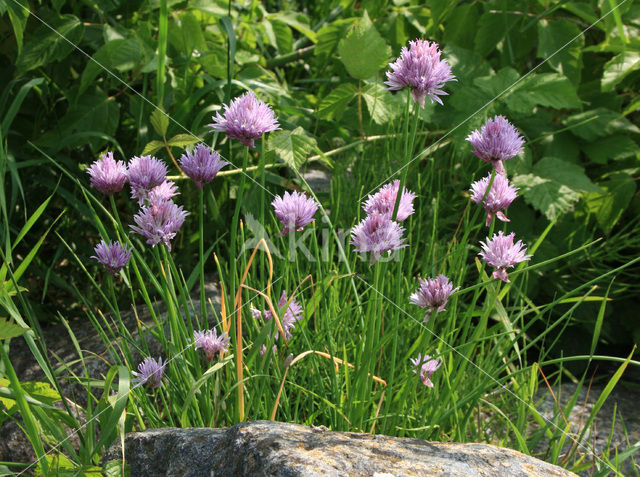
{"x":113,"y":255}
{"x":497,"y":141}
{"x":257,"y":314}
{"x":384,"y":201}
{"x":150,"y":372}
{"x":246,"y":119}
{"x":427,"y":365}
{"x":107,"y":174}
{"x":294,"y":211}
{"x":501,"y":253}
{"x":210,"y":342}
{"x":162,"y":193}
{"x":433,"y":294}
{"x":377,"y":233}
{"x":421,"y":69}
{"x":292,"y":314}
{"x":144,"y":174}
{"x":499,"y":197}
{"x":201,"y":165}
{"x":160,"y":222}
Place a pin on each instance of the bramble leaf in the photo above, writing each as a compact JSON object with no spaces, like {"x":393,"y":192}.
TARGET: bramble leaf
{"x":363,"y":51}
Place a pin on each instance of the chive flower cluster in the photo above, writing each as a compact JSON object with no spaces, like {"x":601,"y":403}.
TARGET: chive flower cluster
{"x":378,"y":233}
{"x":495,"y":142}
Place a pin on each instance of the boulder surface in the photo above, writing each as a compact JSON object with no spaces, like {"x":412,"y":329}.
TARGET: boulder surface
{"x":264,"y":448}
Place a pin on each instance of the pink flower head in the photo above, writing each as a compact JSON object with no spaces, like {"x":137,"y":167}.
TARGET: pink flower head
{"x":210,"y":342}
{"x":113,"y":255}
{"x":433,"y":294}
{"x":497,"y":141}
{"x":201,"y":165}
{"x":246,"y":119}
{"x":427,"y":366}
{"x":499,"y":197}
{"x":144,"y":174}
{"x":150,"y":372}
{"x":292,"y":314}
{"x":294,"y":211}
{"x":159,"y":223}
{"x":384,"y":201}
{"x":107,"y":174}
{"x":421,"y":69}
{"x":501,"y":253}
{"x":162,"y":193}
{"x":377,"y":234}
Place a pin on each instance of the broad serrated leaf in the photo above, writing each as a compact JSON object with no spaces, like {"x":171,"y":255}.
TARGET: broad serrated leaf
{"x":333,"y":105}
{"x":561,"y":43}
{"x":554,"y":186}
{"x":160,"y":122}
{"x":609,"y":205}
{"x":491,"y":28}
{"x":616,"y":69}
{"x":182,"y":140}
{"x":329,"y":36}
{"x":119,"y":54}
{"x":495,"y":85}
{"x":548,"y":89}
{"x":50,"y":42}
{"x":460,"y":27}
{"x":363,"y":51}
{"x":380,"y":103}
{"x":152,"y":147}
{"x":598,"y":122}
{"x":617,"y":146}
{"x":292,"y":146}
{"x":10,"y":330}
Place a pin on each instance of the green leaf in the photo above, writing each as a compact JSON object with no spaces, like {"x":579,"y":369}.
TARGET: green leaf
{"x":93,"y":111}
{"x":597,"y":123}
{"x":609,"y":205}
{"x":329,"y":36}
{"x":363,"y":51}
{"x":554,"y":186}
{"x":188,"y":36}
{"x":490,"y":30}
{"x":333,"y":105}
{"x":120,"y":54}
{"x":297,"y":21}
{"x":17,"y":102}
{"x":561,"y":43}
{"x":10,"y":330}
{"x":18,"y":17}
{"x":292,"y":146}
{"x":496,"y":84}
{"x":45,"y":45}
{"x":548,"y":89}
{"x":283,"y":36}
{"x":460,"y":29}
{"x":380,"y":103}
{"x":616,"y":69}
{"x":182,"y":140}
{"x":617,"y":146}
{"x":160,"y":122}
{"x":152,"y":147}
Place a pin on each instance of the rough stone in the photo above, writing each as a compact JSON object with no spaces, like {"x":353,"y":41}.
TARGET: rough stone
{"x":264,"y":448}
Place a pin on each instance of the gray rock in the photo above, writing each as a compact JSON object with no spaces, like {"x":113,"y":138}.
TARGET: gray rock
{"x":264,"y":448}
